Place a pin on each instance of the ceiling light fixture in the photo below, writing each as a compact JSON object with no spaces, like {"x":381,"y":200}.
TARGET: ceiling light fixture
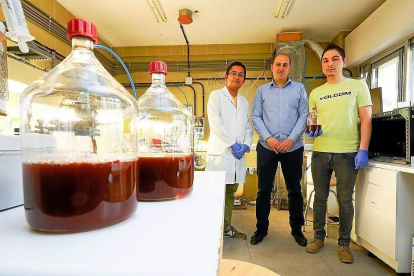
{"x":157,"y":10}
{"x":283,"y":10}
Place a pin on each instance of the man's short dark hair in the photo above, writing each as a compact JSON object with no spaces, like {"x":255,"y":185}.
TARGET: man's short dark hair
{"x":334,"y":47}
{"x":274,"y":56}
{"x":236,"y":63}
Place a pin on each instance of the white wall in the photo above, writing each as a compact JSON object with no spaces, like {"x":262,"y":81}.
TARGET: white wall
{"x":389,"y":24}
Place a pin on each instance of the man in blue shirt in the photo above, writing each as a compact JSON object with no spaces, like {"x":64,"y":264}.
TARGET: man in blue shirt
{"x":280,"y":109}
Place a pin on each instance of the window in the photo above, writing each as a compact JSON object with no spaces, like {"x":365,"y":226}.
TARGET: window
{"x":410,"y":73}
{"x":387,"y":73}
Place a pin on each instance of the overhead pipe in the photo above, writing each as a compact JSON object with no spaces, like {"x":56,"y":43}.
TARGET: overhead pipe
{"x":203,"y":95}
{"x":188,"y":48}
{"x":314,"y":47}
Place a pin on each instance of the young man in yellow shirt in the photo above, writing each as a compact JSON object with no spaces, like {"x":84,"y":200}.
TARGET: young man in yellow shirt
{"x":341,"y":148}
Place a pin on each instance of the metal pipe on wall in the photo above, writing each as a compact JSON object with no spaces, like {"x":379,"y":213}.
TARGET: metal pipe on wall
{"x":188,"y":48}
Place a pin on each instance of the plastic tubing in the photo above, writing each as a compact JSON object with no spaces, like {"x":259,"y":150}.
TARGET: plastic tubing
{"x":123,"y":65}
{"x":313,"y":79}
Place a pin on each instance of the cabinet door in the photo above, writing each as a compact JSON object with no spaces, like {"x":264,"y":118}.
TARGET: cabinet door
{"x":376,"y":208}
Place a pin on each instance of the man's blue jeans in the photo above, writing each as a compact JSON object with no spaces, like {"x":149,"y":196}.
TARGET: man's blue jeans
{"x":343,"y":164}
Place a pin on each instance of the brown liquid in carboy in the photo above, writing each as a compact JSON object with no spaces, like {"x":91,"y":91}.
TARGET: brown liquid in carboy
{"x":165,"y":177}
{"x":313,"y":128}
{"x":80,"y":195}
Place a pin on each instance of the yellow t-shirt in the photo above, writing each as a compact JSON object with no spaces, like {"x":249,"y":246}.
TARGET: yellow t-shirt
{"x":337,"y":107}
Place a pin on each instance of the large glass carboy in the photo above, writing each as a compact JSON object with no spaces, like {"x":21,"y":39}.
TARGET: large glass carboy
{"x":166,"y":141}
{"x":79,"y":145}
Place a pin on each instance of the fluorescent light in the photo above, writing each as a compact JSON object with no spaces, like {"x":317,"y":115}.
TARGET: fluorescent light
{"x":157,"y":10}
{"x":16,"y":87}
{"x":283,"y":10}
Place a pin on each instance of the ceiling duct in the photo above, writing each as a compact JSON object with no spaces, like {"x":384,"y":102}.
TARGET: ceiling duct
{"x":314,"y":46}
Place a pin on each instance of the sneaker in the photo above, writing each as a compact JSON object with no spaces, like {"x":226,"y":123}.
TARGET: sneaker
{"x":315,"y":246}
{"x":234,"y":234}
{"x":345,"y":254}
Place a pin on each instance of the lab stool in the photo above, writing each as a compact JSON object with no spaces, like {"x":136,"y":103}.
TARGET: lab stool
{"x":327,"y":222}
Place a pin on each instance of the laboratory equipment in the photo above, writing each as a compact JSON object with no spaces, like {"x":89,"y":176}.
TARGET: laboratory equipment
{"x":392,"y":138}
{"x":11,"y":185}
{"x":199,"y":128}
{"x":4,"y":92}
{"x":166,"y":141}
{"x":296,"y":52}
{"x":88,"y":179}
{"x":16,"y":23}
{"x":313,"y":122}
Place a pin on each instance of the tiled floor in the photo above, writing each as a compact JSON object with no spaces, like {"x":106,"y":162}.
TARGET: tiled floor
{"x":279,"y":252}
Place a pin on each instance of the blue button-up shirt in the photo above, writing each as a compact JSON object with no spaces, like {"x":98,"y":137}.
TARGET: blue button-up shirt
{"x":280,"y":112}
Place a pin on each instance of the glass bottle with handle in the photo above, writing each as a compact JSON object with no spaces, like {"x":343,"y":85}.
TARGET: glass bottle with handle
{"x":166,"y":141}
{"x":79,"y":148}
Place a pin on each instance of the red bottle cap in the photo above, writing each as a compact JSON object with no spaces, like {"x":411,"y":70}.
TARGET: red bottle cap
{"x":158,"y":67}
{"x":82,"y":27}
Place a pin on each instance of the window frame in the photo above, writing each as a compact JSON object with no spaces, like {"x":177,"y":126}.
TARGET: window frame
{"x":365,"y":69}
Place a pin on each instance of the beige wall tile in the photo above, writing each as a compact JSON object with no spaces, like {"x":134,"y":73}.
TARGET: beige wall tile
{"x":252,"y":48}
{"x":48,"y":39}
{"x":178,"y":50}
{"x":192,"y":50}
{"x":214,"y":49}
{"x":118,"y":50}
{"x":165,"y":50}
{"x":104,"y":52}
{"x":60,"y":14}
{"x":201,"y":49}
{"x":37,"y":3}
{"x":265,"y":48}
{"x":62,"y":47}
{"x":48,"y":6}
{"x":152,"y":50}
{"x":34,"y":30}
{"x":128,"y":51}
{"x":226,"y":48}
{"x":239,"y":48}
{"x":69,"y":16}
{"x":141,"y":51}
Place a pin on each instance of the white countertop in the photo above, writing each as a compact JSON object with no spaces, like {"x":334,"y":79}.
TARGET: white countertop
{"x":179,"y":237}
{"x":391,"y":166}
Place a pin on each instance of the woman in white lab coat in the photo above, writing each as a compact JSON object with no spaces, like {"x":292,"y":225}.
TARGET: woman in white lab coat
{"x":231,"y":135}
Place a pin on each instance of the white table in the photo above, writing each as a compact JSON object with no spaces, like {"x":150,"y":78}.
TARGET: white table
{"x":180,"y":237}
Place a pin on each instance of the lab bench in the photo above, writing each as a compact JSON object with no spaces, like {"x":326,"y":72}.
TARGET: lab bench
{"x":179,"y":237}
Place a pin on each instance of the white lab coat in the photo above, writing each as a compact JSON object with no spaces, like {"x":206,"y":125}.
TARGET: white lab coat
{"x":228,"y":125}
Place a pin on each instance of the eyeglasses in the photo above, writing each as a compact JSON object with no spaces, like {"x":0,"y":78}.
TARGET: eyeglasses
{"x":234,"y":73}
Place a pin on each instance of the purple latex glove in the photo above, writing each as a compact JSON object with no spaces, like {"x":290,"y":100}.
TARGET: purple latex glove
{"x":361,"y":159}
{"x":239,"y":154}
